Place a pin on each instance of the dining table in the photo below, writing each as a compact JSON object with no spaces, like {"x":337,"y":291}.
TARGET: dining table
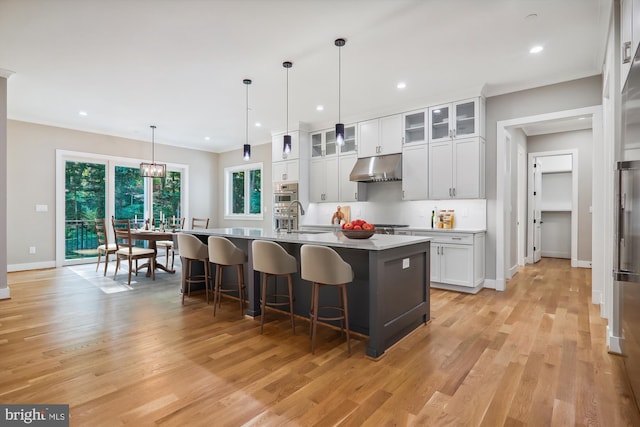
{"x":153,"y":236}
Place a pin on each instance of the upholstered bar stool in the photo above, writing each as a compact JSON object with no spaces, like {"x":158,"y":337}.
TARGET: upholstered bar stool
{"x":323,"y":266}
{"x":272,"y":260}
{"x":223,"y":253}
{"x":192,"y":249}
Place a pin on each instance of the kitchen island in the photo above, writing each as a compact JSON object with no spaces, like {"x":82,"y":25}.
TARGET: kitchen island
{"x":389,"y":296}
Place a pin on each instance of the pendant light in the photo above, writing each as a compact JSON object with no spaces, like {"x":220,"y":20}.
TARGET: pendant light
{"x":153,"y":169}
{"x":339,"y":125}
{"x":286,"y":148}
{"x":247,"y":147}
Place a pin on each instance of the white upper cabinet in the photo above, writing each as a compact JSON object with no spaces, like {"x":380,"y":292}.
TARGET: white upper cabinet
{"x":325,"y":180}
{"x":286,"y":171}
{"x":350,"y":191}
{"x":456,"y":169}
{"x":415,"y":172}
{"x":461,"y":119}
{"x":277,"y":147}
{"x":629,"y":35}
{"x":324,"y":143}
{"x":380,"y":136}
{"x":415,"y":127}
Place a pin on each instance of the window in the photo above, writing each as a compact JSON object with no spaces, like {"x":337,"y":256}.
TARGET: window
{"x":167,"y":196}
{"x":243,"y":192}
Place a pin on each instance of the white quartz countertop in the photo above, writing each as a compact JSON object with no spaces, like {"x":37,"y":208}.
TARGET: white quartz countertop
{"x":410,"y":228}
{"x":377,"y":242}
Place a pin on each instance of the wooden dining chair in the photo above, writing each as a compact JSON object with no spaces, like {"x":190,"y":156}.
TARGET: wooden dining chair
{"x":127,"y":250}
{"x":104,"y":247}
{"x":199,"y":223}
{"x":174,"y":224}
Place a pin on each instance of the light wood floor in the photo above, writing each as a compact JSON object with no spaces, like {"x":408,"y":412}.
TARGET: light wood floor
{"x":533,"y":355}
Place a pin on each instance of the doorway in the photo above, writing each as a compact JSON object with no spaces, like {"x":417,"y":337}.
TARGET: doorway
{"x":504,"y":233}
{"x":553,"y":205}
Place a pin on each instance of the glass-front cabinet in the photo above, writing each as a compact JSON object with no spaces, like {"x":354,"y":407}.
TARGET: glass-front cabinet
{"x":349,"y":145}
{"x":324,"y":143}
{"x":459,"y":119}
{"x":415,"y":127}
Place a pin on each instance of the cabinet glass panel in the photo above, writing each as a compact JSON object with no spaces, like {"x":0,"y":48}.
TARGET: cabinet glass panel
{"x":414,"y":127}
{"x":316,"y":145}
{"x":349,"y":140}
{"x":330,"y":143}
{"x":440,"y":123}
{"x":465,"y":118}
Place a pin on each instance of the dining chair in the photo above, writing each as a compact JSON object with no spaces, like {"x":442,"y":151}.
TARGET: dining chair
{"x":174,"y":224}
{"x":127,"y":250}
{"x":199,"y":223}
{"x":104,"y":247}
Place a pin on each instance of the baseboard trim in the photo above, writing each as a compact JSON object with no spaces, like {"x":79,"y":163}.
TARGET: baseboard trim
{"x":596,"y":297}
{"x":583,"y":264}
{"x":513,"y":270}
{"x":31,"y":266}
{"x":489,"y":283}
{"x":5,"y":293}
{"x":615,"y":344}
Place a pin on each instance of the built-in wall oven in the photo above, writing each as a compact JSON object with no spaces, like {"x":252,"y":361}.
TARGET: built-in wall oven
{"x":283,"y":195}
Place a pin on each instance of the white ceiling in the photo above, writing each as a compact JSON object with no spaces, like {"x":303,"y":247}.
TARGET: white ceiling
{"x":180,"y":64}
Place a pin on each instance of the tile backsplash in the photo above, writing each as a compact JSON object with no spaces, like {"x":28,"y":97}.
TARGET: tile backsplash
{"x":385,"y":205}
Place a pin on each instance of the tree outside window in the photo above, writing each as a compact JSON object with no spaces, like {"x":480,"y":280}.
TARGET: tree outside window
{"x":243,"y":196}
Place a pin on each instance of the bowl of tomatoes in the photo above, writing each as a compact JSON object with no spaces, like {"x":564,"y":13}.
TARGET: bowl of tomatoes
{"x":358,"y":229}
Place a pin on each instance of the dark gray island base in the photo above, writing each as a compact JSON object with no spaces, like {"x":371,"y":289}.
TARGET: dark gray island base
{"x":389,"y":296}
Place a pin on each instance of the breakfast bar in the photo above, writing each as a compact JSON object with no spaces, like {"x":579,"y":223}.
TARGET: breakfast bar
{"x":389,"y":296}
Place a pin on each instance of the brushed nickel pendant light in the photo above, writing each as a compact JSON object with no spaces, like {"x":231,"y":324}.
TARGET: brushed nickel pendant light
{"x":247,"y":147}
{"x":286,"y":147}
{"x":339,"y":125}
{"x":153,"y":169}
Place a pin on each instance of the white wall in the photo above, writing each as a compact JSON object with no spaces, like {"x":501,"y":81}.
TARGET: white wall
{"x":31,"y":180}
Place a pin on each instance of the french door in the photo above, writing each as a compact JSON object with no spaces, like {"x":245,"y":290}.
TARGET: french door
{"x":94,"y":187}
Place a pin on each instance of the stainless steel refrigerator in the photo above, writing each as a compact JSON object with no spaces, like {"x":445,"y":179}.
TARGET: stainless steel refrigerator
{"x":627,"y":256}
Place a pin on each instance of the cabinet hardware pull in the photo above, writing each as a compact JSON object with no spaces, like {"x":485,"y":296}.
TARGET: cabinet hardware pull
{"x":355,"y":195}
{"x":454,"y":192}
{"x":626,"y":52}
{"x":454,"y":133}
{"x":456,"y":238}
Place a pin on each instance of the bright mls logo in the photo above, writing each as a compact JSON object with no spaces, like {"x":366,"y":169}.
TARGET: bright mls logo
{"x":36,"y":415}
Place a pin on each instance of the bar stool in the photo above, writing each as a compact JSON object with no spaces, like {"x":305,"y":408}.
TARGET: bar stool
{"x":223,"y":253}
{"x":322,"y":266}
{"x":272,"y":260}
{"x":192,"y":249}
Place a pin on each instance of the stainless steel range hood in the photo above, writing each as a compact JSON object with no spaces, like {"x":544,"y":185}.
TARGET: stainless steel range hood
{"x":378,"y":168}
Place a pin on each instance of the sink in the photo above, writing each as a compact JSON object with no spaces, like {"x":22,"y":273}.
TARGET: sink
{"x":303,"y":232}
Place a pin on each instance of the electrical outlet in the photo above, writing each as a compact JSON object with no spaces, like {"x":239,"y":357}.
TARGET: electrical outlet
{"x":32,"y":250}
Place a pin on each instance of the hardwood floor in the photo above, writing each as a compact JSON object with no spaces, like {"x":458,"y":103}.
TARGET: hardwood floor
{"x":532,"y":355}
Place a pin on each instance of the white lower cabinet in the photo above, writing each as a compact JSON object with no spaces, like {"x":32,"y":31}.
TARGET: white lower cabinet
{"x":457,"y":260}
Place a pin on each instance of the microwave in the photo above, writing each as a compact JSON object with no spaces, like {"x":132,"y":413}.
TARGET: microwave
{"x":284,"y":193}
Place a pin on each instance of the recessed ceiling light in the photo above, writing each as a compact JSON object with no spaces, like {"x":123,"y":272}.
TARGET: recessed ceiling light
{"x":206,"y":138}
{"x":401,"y":85}
{"x":581,"y":118}
{"x":536,"y":49}
{"x":320,"y":108}
{"x":258,"y":124}
{"x":82,"y":113}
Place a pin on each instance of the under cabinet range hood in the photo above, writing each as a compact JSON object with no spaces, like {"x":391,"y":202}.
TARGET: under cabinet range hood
{"x":377,"y":168}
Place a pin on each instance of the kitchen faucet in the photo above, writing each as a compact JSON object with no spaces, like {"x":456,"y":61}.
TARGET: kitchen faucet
{"x":289,"y":213}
